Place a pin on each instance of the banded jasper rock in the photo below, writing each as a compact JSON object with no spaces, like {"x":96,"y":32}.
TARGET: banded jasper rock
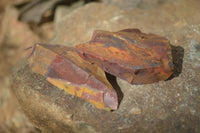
{"x":64,"y":68}
{"x":129,"y":54}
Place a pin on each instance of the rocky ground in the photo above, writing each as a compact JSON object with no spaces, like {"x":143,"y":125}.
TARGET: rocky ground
{"x":167,"y":106}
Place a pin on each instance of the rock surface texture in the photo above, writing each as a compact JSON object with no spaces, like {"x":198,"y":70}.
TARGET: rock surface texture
{"x":166,"y":106}
{"x":130,"y":4}
{"x":64,"y":68}
{"x":129,"y":54}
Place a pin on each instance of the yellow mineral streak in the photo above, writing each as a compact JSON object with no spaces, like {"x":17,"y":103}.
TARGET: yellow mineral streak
{"x":71,"y":89}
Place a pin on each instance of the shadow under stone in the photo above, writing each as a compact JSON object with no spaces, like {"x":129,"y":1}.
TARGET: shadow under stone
{"x":113,"y":82}
{"x":177,"y":56}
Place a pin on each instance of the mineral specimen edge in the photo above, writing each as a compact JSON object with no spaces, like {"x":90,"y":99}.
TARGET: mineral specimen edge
{"x":64,"y":68}
{"x":129,"y":54}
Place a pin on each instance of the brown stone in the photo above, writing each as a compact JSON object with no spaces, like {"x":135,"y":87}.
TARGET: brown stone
{"x":64,"y":68}
{"x":129,"y":54}
{"x":12,"y":37}
{"x":19,"y":35}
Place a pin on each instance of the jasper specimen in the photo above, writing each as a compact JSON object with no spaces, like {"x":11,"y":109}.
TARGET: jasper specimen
{"x":64,"y":68}
{"x":129,"y":54}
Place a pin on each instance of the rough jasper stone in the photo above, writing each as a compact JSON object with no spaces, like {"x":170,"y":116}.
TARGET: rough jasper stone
{"x":129,"y":54}
{"x":64,"y":68}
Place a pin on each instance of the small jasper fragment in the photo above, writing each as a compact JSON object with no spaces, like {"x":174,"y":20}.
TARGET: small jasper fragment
{"x":129,"y":54}
{"x":64,"y":68}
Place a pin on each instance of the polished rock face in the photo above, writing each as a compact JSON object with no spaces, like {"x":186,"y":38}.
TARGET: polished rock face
{"x":166,"y":106}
